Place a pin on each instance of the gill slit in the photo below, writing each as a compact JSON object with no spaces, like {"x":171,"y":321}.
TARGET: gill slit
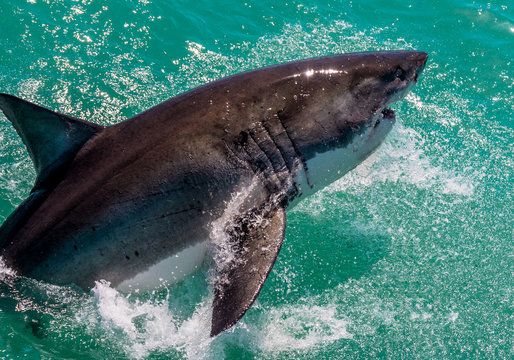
{"x":277,"y":168}
{"x":246,"y":162}
{"x":296,"y":150}
{"x":289,"y":167}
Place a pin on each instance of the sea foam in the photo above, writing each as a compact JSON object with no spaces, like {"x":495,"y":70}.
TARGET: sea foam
{"x":148,"y":326}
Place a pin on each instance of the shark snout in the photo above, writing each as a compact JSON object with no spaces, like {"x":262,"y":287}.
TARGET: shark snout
{"x":413,"y":65}
{"x":419,"y":59}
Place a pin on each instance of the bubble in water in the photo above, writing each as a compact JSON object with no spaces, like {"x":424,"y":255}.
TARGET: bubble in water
{"x":302,"y":327}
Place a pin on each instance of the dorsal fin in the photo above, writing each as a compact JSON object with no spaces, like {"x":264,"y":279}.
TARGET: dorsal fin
{"x":52,"y":139}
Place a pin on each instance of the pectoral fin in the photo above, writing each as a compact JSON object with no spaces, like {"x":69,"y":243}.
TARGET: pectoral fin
{"x":257,"y":240}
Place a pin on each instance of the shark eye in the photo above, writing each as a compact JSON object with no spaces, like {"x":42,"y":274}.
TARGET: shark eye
{"x":397,"y":73}
{"x":400,"y":74}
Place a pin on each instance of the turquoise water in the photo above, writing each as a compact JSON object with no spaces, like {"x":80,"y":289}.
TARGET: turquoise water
{"x":410,"y":256}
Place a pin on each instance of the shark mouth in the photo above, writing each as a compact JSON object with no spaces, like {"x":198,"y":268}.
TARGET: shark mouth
{"x":388,"y":114}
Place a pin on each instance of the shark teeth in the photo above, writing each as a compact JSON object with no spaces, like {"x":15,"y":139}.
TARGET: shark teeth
{"x":388,"y":114}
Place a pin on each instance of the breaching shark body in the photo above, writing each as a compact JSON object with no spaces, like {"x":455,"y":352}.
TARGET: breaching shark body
{"x":119,"y":202}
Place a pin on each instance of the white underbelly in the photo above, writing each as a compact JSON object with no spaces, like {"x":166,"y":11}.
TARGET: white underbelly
{"x":169,"y":270}
{"x":327,"y":167}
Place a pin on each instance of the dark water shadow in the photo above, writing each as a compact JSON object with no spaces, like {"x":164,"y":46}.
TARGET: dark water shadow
{"x":322,"y":252}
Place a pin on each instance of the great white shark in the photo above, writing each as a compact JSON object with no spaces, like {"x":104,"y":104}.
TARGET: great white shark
{"x":120,"y":202}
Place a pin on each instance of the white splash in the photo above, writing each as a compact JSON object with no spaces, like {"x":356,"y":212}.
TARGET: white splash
{"x":5,"y":270}
{"x":294,"y":327}
{"x":149,"y":326}
{"x":223,"y":252}
{"x":144,"y":327}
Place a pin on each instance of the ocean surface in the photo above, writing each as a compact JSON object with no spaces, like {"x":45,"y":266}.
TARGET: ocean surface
{"x":409,"y":256}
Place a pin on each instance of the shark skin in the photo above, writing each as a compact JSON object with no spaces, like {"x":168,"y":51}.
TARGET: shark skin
{"x":115,"y":202}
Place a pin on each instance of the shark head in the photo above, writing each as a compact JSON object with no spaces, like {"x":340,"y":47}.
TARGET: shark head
{"x":337,"y":109}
